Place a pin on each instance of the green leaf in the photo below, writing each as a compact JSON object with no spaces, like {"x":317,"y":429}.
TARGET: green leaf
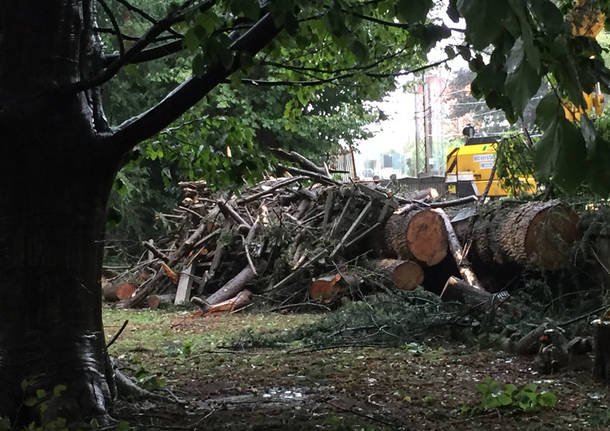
{"x":58,"y":390}
{"x":30,"y":402}
{"x":510,"y":389}
{"x":522,"y":85}
{"x":478,"y":15}
{"x":41,"y":393}
{"x":191,"y":40}
{"x":198,"y":65}
{"x":549,"y":16}
{"x":547,"y":399}
{"x":504,"y":399}
{"x":359,"y":50}
{"x":547,"y":110}
{"x":532,"y":55}
{"x":123,"y":426}
{"x":515,"y":57}
{"x":530,"y":387}
{"x":413,"y":10}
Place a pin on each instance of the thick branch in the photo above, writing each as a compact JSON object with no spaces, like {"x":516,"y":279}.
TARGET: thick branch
{"x":192,"y":90}
{"x":149,"y":37}
{"x":150,"y":53}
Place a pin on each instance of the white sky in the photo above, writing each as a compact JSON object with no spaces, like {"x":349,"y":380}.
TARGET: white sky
{"x":398,"y":130}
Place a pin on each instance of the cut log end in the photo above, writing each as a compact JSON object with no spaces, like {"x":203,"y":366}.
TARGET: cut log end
{"x":118,"y":292}
{"x":550,"y":235}
{"x":417,"y":234}
{"x":405,"y":274}
{"x":325,"y":289}
{"x":427,"y":237}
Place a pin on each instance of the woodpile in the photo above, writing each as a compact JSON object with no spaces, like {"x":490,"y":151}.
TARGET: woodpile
{"x":304,"y":238}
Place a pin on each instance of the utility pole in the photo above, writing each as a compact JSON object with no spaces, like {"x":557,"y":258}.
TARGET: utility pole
{"x":416,"y":134}
{"x":426,"y":120}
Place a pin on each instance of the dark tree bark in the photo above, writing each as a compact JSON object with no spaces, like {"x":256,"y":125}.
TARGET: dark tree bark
{"x":59,"y":161}
{"x":56,"y":179}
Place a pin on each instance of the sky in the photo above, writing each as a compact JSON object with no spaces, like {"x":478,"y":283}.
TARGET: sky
{"x":393,"y":134}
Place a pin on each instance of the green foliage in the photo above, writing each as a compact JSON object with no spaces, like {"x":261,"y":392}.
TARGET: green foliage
{"x":334,"y":55}
{"x":515,"y":162}
{"x":526,"y":398}
{"x":149,"y":381}
{"x":39,"y":401}
{"x":528,"y":42}
{"x":398,"y":319}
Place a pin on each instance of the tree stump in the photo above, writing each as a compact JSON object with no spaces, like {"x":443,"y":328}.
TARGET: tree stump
{"x":601,"y":367}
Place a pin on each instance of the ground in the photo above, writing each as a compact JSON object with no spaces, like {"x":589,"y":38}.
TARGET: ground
{"x":416,"y":386}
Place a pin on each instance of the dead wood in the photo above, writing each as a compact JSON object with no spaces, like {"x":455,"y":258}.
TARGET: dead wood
{"x":459,"y":290}
{"x":538,"y":234}
{"x":269,"y":190}
{"x":155,"y":301}
{"x":404,"y":274}
{"x":321,"y":178}
{"x":229,"y":290}
{"x":425,"y":195}
{"x":456,"y":251}
{"x":417,"y":234}
{"x":118,"y":292}
{"x":300,"y":160}
{"x":238,"y":301}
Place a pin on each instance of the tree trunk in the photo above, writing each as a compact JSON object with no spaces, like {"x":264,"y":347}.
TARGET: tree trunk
{"x":536,"y":234}
{"x":55,"y":181}
{"x":417,"y":234}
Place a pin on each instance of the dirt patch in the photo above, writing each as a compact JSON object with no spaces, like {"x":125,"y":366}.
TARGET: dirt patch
{"x":421,"y":386}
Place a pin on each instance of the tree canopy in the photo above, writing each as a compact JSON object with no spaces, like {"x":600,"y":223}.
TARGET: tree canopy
{"x":332,"y":55}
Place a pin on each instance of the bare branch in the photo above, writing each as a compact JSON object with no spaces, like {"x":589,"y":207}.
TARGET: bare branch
{"x":337,"y":78}
{"x":192,"y":90}
{"x":149,"y":37}
{"x":334,"y":71}
{"x":143,"y":14}
{"x":115,"y":25}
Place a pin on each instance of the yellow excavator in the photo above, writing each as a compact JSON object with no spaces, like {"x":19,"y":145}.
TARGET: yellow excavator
{"x":470,"y":166}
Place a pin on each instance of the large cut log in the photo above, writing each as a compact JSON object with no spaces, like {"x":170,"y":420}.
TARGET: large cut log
{"x":118,"y":292}
{"x":405,"y":274}
{"x":536,"y":234}
{"x":229,"y":290}
{"x":417,"y":234}
{"x":238,"y":301}
{"x":459,"y":290}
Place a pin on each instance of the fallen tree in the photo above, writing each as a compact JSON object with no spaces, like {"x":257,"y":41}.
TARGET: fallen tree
{"x":537,"y":234}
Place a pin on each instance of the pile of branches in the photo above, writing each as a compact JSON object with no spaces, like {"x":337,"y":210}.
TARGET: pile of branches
{"x":307,"y":240}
